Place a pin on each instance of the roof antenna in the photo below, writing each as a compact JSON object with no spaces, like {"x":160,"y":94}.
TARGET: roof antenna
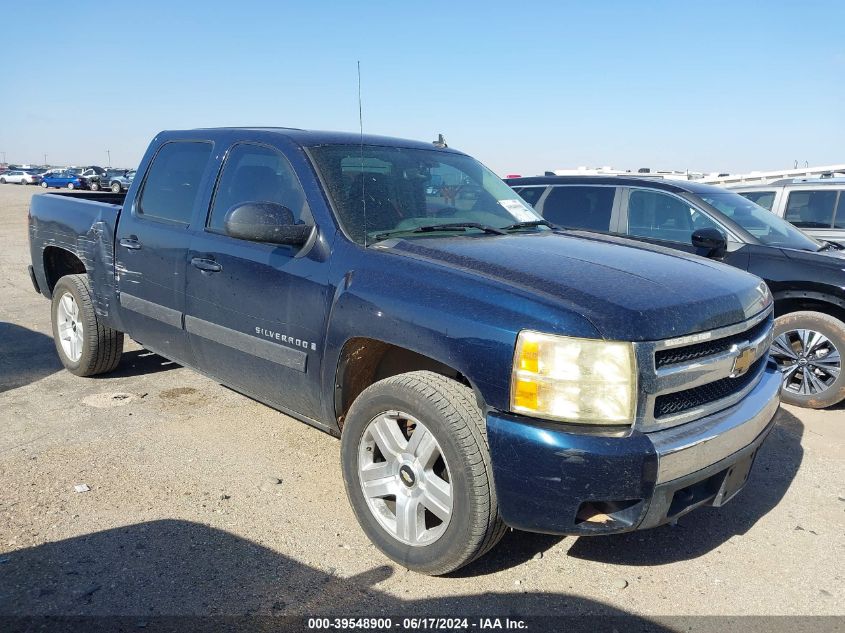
{"x":363,"y":177}
{"x":440,"y":142}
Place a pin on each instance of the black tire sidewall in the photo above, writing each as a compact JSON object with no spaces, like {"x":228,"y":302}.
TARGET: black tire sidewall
{"x":86,"y":315}
{"x":833,"y":329}
{"x":452,"y":544}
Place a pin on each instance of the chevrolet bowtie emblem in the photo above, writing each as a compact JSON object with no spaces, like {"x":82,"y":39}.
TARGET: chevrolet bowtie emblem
{"x":743,"y":361}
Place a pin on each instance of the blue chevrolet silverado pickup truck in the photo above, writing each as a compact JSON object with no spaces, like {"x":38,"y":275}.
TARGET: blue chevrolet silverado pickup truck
{"x":481,"y":368}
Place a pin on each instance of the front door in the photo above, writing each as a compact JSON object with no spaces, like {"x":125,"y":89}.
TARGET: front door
{"x":256,"y":312}
{"x":668,"y":220}
{"x":152,"y":241}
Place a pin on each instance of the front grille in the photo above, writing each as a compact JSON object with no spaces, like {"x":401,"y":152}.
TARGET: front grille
{"x":680,"y":401}
{"x":689,"y":353}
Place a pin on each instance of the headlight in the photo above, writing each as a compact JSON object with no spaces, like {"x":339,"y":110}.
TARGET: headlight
{"x":583,"y":381}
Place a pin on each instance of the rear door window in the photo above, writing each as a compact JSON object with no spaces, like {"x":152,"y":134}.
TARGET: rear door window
{"x":530,"y":194}
{"x":765,"y":199}
{"x":839,"y":220}
{"x":580,"y":207}
{"x":172,"y":184}
{"x":811,"y":209}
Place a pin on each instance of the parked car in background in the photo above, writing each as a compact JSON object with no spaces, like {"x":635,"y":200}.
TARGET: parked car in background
{"x":806,"y":277}
{"x":93,"y":176}
{"x":64,"y":179}
{"x":119,"y":179}
{"x":814,"y":205}
{"x":20,"y":177}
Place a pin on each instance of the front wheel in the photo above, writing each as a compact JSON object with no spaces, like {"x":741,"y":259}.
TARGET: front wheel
{"x":417,"y":471}
{"x":807,"y":347}
{"x":43,"y":184}
{"x":115,"y":187}
{"x":70,"y":185}
{"x":2,"y":181}
{"x":85,"y":345}
{"x":95,"y":186}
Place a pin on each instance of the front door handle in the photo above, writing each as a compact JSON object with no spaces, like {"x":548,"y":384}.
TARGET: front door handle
{"x":131,"y":243}
{"x":206,"y":265}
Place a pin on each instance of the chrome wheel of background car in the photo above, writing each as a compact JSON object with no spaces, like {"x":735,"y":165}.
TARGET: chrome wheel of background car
{"x":405,"y":478}
{"x":70,"y":327}
{"x":808,"y":359}
{"x":70,"y":185}
{"x":95,"y":186}
{"x":115,"y":187}
{"x":43,"y":184}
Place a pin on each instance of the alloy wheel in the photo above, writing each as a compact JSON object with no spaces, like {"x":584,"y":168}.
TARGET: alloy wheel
{"x":405,"y":478}
{"x":71,"y":333}
{"x":809,"y":361}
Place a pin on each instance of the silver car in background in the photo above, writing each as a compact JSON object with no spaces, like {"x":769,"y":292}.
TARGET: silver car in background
{"x":814,"y":205}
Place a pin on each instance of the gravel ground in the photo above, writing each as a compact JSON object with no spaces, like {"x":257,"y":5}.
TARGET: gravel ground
{"x":203,"y":501}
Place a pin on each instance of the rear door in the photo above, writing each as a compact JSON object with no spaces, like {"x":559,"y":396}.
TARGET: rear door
{"x":256,"y":312}
{"x":152,"y":245}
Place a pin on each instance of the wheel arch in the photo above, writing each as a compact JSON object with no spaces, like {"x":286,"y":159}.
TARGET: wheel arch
{"x":365,"y":360}
{"x":788,"y":301}
{"x":59,"y":262}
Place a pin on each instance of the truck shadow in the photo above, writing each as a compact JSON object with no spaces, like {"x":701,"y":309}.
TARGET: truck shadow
{"x":140,"y":362}
{"x":706,"y":529}
{"x":170,"y":567}
{"x":26,"y":356}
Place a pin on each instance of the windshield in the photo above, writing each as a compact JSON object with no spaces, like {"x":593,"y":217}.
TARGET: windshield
{"x":762,"y":224}
{"x":379,"y":191}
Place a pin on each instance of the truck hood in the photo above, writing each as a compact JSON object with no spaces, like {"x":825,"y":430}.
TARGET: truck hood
{"x":628,"y":290}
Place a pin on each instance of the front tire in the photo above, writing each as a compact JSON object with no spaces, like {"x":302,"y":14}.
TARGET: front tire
{"x":808,"y":348}
{"x":85,"y":346}
{"x":95,"y":186}
{"x":44,"y":184}
{"x":115,"y":187}
{"x":2,"y":181}
{"x":70,"y":185}
{"x":417,"y":471}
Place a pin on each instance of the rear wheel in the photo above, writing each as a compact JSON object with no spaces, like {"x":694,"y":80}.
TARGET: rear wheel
{"x":95,"y":186}
{"x":115,"y":187}
{"x":70,"y":185}
{"x":417,"y":471}
{"x":2,"y":181}
{"x":85,"y":345}
{"x":43,"y":184}
{"x":808,"y":347}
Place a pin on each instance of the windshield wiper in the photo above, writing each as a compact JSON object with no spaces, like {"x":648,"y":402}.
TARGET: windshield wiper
{"x":449,"y":226}
{"x":830,"y":246}
{"x":528,"y":225}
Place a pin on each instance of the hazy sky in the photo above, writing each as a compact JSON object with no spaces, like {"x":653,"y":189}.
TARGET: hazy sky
{"x":523,"y":86}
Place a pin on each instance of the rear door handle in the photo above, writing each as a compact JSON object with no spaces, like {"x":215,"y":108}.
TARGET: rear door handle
{"x":131,"y":243}
{"x":206,"y":265}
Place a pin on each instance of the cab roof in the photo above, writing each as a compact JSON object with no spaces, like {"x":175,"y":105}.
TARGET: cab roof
{"x":674,"y":186}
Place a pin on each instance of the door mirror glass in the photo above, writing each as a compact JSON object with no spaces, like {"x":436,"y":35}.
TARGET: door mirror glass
{"x":265,"y":222}
{"x":713,"y":241}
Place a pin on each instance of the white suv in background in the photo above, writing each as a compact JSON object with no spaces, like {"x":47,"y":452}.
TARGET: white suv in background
{"x":814,"y":205}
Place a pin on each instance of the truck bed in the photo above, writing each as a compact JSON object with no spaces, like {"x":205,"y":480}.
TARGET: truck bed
{"x":82,"y":223}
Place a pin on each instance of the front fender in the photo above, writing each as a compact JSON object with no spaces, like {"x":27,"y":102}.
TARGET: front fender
{"x":464,"y":321}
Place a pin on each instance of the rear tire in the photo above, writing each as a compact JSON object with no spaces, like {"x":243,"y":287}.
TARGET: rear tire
{"x":95,"y":186}
{"x":70,"y":185}
{"x":115,"y":187}
{"x":808,"y":347}
{"x":98,"y":349}
{"x":2,"y":181}
{"x":44,"y":184}
{"x":457,"y":454}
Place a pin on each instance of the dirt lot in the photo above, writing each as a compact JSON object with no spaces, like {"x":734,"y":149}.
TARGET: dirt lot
{"x":185,"y":514}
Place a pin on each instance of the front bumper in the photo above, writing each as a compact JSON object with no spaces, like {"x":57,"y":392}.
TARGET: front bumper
{"x":553,"y":479}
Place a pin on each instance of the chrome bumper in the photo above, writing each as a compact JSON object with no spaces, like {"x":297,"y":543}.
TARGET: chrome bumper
{"x":690,"y":447}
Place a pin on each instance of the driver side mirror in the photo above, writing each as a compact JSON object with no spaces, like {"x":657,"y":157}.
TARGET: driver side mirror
{"x":265,"y":222}
{"x":711,"y":240}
